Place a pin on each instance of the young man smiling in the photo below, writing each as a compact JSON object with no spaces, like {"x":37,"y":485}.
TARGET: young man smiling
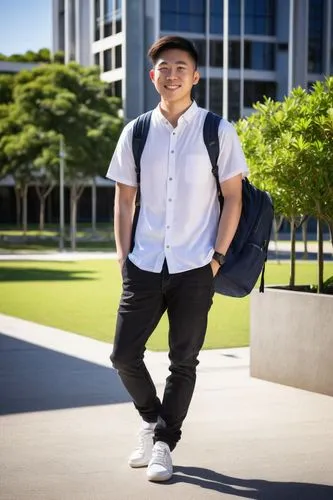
{"x":180,"y":243}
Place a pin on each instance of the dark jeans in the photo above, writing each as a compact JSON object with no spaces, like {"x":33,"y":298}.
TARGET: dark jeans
{"x":187,"y":298}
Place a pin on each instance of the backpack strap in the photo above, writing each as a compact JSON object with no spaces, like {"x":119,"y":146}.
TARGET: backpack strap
{"x":212,"y":143}
{"x":140,"y":134}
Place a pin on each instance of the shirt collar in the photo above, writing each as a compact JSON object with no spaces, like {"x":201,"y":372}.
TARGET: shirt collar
{"x":187,"y":116}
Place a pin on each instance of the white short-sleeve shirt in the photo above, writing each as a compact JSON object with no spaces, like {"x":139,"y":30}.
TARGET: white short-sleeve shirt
{"x":179,"y":211}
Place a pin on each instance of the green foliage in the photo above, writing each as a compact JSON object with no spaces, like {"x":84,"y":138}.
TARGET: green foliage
{"x":289,"y":148}
{"x":43,"y":55}
{"x":6,"y":88}
{"x":55,"y":100}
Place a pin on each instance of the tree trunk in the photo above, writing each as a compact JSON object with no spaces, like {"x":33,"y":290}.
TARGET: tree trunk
{"x":76,"y":192}
{"x":25,"y":209}
{"x":292,"y":252}
{"x":320,"y":256}
{"x":49,"y":213}
{"x":41,"y":214}
{"x":42,"y":201}
{"x":305,"y":238}
{"x":18,"y":206}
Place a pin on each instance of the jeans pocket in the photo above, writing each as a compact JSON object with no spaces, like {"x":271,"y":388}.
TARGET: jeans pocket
{"x":210,"y":269}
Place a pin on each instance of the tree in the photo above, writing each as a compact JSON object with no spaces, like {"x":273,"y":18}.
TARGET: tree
{"x":43,"y":55}
{"x":54,"y":101}
{"x":289,"y":147}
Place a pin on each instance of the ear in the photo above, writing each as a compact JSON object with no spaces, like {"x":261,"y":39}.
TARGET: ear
{"x":152,"y":75}
{"x":196,"y":77}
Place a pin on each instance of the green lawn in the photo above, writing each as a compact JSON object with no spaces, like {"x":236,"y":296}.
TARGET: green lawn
{"x":82,"y":297}
{"x":13,"y":239}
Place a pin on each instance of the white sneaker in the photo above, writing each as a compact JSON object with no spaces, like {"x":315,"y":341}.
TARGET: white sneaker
{"x":160,"y":466}
{"x":142,"y":454}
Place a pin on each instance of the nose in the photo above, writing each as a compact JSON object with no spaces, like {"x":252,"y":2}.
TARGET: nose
{"x":171,"y":75}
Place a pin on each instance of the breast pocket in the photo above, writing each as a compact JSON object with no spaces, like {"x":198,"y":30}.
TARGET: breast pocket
{"x":197,"y":169}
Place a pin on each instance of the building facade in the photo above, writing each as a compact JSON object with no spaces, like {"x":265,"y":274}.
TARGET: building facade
{"x":273,"y":45}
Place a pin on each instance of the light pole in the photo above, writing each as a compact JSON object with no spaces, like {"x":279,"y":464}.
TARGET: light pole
{"x":61,"y":195}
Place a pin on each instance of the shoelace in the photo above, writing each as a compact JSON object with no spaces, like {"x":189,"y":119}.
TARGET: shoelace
{"x":160,"y":456}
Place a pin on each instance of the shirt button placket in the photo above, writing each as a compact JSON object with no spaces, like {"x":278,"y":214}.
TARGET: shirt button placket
{"x":170,"y":190}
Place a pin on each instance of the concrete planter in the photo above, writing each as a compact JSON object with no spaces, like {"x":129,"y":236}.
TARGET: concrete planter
{"x":292,"y":339}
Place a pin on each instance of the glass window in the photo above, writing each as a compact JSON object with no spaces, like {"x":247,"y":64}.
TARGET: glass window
{"x":233,"y":100}
{"x":118,"y":56}
{"x":117,"y":88}
{"x":259,"y":55}
{"x":108,"y":9}
{"x":316,"y":30}
{"x":234,"y":17}
{"x":260,"y":17}
{"x":215,"y":95}
{"x":108,"y":29}
{"x":216,"y":17}
{"x":183,"y":15}
{"x":216,"y":54}
{"x":200,"y":45}
{"x":97,"y":20}
{"x":255,"y":91}
{"x":199,"y":93}
{"x":114,"y":89}
{"x":96,"y":59}
{"x":118,"y":25}
{"x":107,"y":55}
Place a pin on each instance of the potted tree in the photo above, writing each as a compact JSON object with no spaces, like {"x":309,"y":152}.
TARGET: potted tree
{"x":289,"y":147}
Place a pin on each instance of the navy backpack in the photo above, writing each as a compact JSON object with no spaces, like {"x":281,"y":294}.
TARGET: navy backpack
{"x":246,"y":257}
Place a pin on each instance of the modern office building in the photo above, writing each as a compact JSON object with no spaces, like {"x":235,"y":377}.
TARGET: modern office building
{"x":272,"y":45}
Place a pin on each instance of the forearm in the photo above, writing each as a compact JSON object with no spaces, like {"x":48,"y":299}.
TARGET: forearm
{"x":123,"y":221}
{"x":228,"y":224}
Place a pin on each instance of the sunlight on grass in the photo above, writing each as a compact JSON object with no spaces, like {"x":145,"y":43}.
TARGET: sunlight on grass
{"x":82,"y":297}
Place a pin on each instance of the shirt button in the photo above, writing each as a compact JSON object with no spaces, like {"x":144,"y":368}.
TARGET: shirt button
{"x":172,"y":151}
{"x":168,"y":227}
{"x":170,"y":199}
{"x":170,"y":178}
{"x":173,"y":133}
{"x":168,"y":246}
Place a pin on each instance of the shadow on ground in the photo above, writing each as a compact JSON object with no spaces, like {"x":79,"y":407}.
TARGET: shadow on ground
{"x":33,"y":378}
{"x":37,"y":274}
{"x":255,"y":489}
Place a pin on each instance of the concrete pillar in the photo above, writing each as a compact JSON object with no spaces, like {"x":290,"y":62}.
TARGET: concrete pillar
{"x":134,"y":49}
{"x":300,"y":43}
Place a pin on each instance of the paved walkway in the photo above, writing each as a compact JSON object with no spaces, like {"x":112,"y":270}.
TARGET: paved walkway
{"x":67,"y":427}
{"x":277,"y":251}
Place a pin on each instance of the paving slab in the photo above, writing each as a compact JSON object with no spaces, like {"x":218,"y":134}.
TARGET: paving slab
{"x":67,"y":427}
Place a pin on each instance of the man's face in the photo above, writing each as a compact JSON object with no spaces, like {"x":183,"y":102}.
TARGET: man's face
{"x":174,"y":75}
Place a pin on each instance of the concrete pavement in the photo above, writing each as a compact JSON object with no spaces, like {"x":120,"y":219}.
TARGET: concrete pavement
{"x":67,"y":427}
{"x":279,"y":250}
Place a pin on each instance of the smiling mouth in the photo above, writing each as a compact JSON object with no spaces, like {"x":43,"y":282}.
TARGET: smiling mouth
{"x":171,"y":87}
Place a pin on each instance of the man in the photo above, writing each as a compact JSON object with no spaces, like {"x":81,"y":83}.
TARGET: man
{"x":180,"y":243}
